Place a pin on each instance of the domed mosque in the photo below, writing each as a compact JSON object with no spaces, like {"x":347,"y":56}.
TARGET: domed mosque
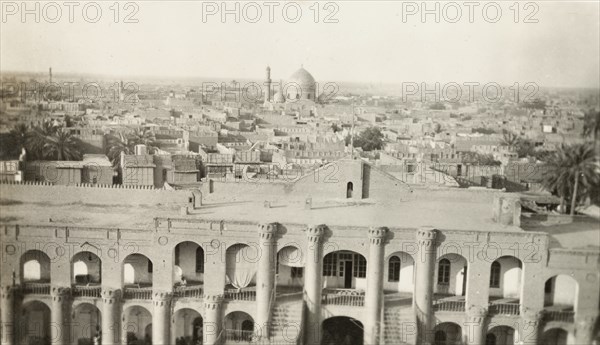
{"x":299,"y":88}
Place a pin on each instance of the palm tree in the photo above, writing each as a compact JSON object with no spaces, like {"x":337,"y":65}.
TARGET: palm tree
{"x":591,"y":126}
{"x":142,"y":137}
{"x":511,"y":140}
{"x":573,"y":171}
{"x":39,"y":138}
{"x":18,"y":139}
{"x":62,"y":146}
{"x":116,"y":145}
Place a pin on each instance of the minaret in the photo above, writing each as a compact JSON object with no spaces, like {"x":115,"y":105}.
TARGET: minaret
{"x":50,"y":75}
{"x":268,"y":84}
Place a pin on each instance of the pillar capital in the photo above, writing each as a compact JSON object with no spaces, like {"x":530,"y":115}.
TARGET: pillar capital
{"x":268,"y":231}
{"x":315,"y":232}
{"x":378,"y":236}
{"x":212,"y":302}
{"x":9,"y":291}
{"x":426,"y":236}
{"x":476,"y":313}
{"x":111,"y":296}
{"x":60,"y":293}
{"x":161,"y":298}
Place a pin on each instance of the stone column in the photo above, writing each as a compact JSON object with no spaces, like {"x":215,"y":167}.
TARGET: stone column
{"x":374,"y":293}
{"x":8,"y":314}
{"x":161,"y":317}
{"x":60,"y":325}
{"x":474,"y":331}
{"x":584,"y":328}
{"x":111,"y":305}
{"x":212,"y":323}
{"x":423,"y":296}
{"x":265,"y":278}
{"x":313,"y":285}
{"x":531,"y":320}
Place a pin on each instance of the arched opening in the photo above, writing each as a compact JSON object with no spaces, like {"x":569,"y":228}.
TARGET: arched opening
{"x":560,"y":293}
{"x":35,"y":321}
{"x":345,"y":270}
{"x":451,"y":276}
{"x":349,"y":190}
{"x":290,"y":270}
{"x":137,"y":326}
{"x":447,"y":333}
{"x":239,"y":326}
{"x":500,"y":335}
{"x":87,"y":321}
{"x":137,"y":271}
{"x":187,"y":327}
{"x":240,"y":271}
{"x":342,"y":330}
{"x":505,"y":280}
{"x":87,"y":269}
{"x":555,"y":336}
{"x":35,"y":267}
{"x":399,"y":275}
{"x":189,"y":264}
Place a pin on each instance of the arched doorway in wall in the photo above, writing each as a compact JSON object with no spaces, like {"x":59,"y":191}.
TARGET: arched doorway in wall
{"x":505,"y":280}
{"x":349,"y":190}
{"x":137,"y":326}
{"x":560,"y":293}
{"x":345,"y":269}
{"x":187,"y":328}
{"x":500,"y":335}
{"x":137,"y":271}
{"x":290,"y":270}
{"x":555,"y":336}
{"x":35,"y":267}
{"x":87,"y":269}
{"x":87,"y":322}
{"x":342,"y":330}
{"x":447,"y":333}
{"x":450,"y":276}
{"x":239,"y":327}
{"x":188,"y":264}
{"x":240,"y":267}
{"x":35,"y":318}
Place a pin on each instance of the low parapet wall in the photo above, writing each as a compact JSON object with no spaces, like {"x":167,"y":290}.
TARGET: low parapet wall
{"x":42,"y":192}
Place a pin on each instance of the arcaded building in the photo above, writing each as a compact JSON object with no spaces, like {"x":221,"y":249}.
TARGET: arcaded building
{"x":345,"y":254}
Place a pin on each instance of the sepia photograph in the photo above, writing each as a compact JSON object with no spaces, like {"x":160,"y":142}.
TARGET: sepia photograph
{"x":299,"y":172}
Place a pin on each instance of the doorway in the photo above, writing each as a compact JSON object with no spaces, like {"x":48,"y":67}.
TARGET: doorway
{"x":349,"y":190}
{"x":348,"y":274}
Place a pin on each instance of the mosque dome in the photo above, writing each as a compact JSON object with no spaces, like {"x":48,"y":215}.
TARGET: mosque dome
{"x":302,"y":77}
{"x":301,"y":85}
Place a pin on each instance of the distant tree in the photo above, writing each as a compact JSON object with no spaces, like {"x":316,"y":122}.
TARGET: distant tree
{"x":17,"y":140}
{"x":143,"y":137}
{"x":437,"y":106}
{"x":335,"y":128}
{"x":370,"y":139}
{"x":437,"y":128}
{"x":39,"y":138}
{"x":477,"y":158}
{"x":573,"y":173}
{"x":116,"y":145}
{"x":62,"y":146}
{"x":510,"y":140}
{"x":483,"y":130}
{"x":591,"y":125}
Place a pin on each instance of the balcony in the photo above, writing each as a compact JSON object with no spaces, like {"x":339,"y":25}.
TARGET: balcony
{"x":567,"y":316}
{"x":246,"y":294}
{"x":449,"y":305}
{"x":194,"y":291}
{"x":504,"y":309}
{"x":36,"y":289}
{"x":238,"y":336}
{"x":346,"y":297}
{"x":87,"y":291}
{"x":135,"y":292}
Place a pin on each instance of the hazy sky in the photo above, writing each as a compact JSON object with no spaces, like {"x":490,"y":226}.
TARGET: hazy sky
{"x":370,"y":43}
